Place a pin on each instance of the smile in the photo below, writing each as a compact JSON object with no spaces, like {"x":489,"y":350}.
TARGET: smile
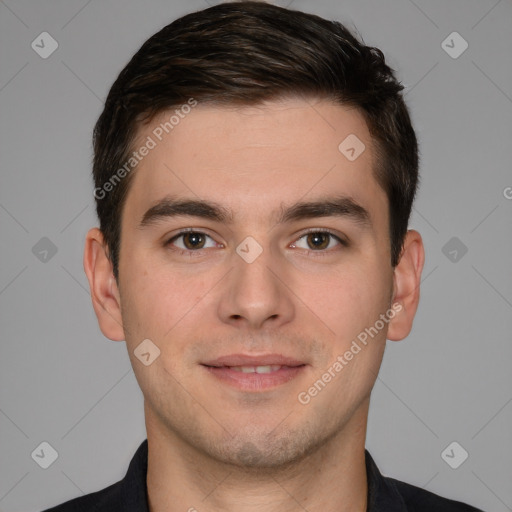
{"x":254,"y":377}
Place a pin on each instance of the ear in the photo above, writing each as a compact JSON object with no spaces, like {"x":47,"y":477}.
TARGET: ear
{"x":406,"y":285}
{"x":104,"y":291}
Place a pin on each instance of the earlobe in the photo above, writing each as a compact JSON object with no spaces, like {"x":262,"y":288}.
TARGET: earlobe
{"x":104,"y":291}
{"x":407,"y":278}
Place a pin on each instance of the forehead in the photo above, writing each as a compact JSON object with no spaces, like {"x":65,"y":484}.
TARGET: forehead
{"x":243,"y":157}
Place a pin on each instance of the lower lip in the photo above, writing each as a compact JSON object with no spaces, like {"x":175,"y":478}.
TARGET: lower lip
{"x":255,"y":381}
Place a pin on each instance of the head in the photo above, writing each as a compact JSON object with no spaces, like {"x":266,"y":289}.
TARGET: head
{"x":222,"y":122}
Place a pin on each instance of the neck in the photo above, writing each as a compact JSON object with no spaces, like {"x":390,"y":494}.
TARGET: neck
{"x":332,"y":477}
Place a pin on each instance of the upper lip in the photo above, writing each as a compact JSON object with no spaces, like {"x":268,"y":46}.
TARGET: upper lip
{"x":252,"y":360}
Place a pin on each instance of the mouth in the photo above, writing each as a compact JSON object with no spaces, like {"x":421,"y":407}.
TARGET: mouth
{"x":254,"y":373}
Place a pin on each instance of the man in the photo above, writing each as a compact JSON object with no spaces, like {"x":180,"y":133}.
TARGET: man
{"x":255,"y":169}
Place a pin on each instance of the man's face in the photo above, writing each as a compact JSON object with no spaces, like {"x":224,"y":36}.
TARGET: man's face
{"x":256,"y":289}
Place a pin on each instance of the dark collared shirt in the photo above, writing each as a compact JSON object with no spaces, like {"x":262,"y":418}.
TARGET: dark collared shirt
{"x":384,"y":494}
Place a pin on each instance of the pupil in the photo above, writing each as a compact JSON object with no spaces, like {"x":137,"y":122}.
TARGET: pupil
{"x":318,"y":237}
{"x":192,"y":240}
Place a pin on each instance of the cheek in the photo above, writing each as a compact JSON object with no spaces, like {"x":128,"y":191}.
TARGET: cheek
{"x":145,"y":300}
{"x":156,"y":302}
{"x":348,"y":300}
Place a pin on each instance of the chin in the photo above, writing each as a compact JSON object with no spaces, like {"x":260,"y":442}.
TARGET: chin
{"x":263,"y":452}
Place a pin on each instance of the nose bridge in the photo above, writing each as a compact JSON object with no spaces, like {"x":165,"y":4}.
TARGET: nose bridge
{"x":252,"y":269}
{"x":255,"y":293}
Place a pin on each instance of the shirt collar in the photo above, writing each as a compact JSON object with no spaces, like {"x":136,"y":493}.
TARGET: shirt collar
{"x":134,"y":494}
{"x":383,"y":496}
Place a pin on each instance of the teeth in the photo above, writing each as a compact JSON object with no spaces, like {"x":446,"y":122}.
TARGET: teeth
{"x":257,"y":369}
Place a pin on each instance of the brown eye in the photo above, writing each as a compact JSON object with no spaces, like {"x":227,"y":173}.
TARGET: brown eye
{"x":319,"y":240}
{"x":193,"y":240}
{"x":190,"y":241}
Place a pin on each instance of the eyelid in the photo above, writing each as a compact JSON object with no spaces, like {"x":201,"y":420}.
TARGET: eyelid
{"x":184,"y":231}
{"x":333,"y":234}
{"x":329,"y":231}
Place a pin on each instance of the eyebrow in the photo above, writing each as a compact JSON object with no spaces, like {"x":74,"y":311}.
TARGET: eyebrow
{"x":340,"y":206}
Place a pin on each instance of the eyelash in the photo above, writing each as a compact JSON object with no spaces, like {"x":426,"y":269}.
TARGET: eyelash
{"x":317,"y":253}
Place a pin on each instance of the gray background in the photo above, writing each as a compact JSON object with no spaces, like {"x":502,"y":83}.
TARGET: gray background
{"x":62,"y":382}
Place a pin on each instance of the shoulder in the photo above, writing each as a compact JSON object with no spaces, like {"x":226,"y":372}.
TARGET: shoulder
{"x":420,"y":500}
{"x":386,"y":494}
{"x":101,"y":501}
{"x":130,"y":493}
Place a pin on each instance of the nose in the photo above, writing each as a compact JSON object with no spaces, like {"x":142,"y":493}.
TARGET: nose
{"x":256,"y":294}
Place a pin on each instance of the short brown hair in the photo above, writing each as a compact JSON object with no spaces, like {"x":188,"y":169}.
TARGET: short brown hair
{"x":245,"y":53}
